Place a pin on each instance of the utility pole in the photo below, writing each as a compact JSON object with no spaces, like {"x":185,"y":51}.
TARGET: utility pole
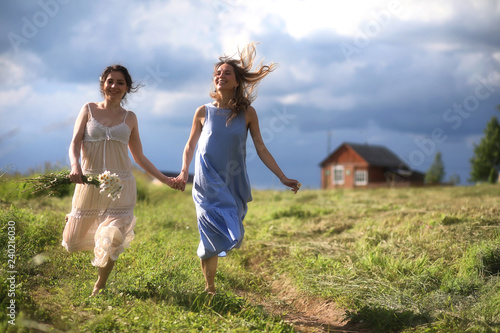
{"x":328,"y":142}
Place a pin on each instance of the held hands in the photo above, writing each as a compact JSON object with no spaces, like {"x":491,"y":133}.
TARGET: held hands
{"x":294,"y":184}
{"x":170,"y":181}
{"x":180,"y":181}
{"x":175,"y":183}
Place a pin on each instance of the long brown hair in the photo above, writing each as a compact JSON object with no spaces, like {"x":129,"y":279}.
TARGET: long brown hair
{"x":245,"y":93}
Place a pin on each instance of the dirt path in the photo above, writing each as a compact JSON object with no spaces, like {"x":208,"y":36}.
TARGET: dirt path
{"x":306,"y":314}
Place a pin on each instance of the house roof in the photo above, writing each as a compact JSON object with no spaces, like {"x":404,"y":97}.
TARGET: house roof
{"x":374,"y":155}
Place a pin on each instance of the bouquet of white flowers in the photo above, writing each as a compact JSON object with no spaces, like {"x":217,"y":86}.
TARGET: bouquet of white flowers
{"x":56,"y":182}
{"x":110,"y":183}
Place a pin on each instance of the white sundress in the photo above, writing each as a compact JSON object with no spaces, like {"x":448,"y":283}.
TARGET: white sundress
{"x":96,"y":222}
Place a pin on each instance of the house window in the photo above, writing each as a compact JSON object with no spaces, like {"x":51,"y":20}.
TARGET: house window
{"x":338,"y":174}
{"x":361,"y":177}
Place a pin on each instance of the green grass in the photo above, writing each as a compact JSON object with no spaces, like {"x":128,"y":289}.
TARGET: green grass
{"x":401,"y":260}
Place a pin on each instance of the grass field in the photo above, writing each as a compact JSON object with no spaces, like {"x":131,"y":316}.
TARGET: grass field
{"x":381,"y":260}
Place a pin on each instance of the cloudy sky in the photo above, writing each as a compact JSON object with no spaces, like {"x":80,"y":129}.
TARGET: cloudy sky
{"x":415,"y":76}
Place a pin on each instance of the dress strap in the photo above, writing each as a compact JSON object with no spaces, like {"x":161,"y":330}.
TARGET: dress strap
{"x":90,"y":110}
{"x":126,"y":114}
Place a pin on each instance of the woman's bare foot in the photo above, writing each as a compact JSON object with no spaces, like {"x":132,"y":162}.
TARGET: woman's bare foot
{"x":209,"y":268}
{"x":210,"y":291}
{"x":102,"y":278}
{"x":97,"y":290}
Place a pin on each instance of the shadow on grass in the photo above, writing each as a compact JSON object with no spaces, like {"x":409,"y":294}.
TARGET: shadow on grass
{"x":387,"y":320}
{"x":195,"y":300}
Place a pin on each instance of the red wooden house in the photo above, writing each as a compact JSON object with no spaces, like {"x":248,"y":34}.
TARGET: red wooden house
{"x":354,"y":165}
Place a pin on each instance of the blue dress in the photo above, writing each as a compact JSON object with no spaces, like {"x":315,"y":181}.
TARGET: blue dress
{"x":221,"y":187}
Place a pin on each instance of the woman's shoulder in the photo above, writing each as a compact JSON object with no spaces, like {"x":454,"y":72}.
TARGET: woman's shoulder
{"x":131,"y":118}
{"x":201,"y":110}
{"x":250,"y":111}
{"x":209,"y":105}
{"x":88,"y":105}
{"x":91,"y":105}
{"x":131,"y":113}
{"x":86,"y":109}
{"x":250,"y":115}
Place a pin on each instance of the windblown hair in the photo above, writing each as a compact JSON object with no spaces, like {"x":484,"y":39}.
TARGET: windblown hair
{"x":131,"y":87}
{"x":246,"y":92}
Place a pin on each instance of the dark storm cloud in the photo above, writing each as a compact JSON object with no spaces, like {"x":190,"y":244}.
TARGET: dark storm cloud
{"x":38,"y":25}
{"x":404,"y":83}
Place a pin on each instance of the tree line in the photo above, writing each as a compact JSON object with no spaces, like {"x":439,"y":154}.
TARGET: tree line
{"x":485,"y":163}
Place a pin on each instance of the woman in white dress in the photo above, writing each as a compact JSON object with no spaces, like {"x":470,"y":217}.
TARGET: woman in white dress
{"x":104,"y":132}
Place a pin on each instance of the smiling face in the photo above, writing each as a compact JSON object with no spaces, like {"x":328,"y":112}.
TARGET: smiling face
{"x":224,"y":77}
{"x":115,"y":86}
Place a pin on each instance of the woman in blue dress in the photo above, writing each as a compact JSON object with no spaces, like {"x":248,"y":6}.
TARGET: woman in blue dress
{"x":221,"y":189}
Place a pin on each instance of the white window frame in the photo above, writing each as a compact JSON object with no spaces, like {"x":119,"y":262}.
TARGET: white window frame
{"x":363,"y":180}
{"x":335,"y":169}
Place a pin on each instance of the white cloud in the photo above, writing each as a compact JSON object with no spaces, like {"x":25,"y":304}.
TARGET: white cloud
{"x":319,"y":98}
{"x":323,"y":99}
{"x":167,"y":102}
{"x":44,"y":106}
{"x":14,"y":96}
{"x":427,"y":11}
{"x":175,"y":25}
{"x":303,"y":18}
{"x":486,"y":6}
{"x":19,"y":68}
{"x":290,"y":98}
